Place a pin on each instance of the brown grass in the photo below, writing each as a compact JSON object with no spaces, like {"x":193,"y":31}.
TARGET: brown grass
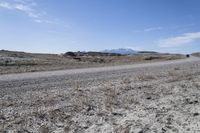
{"x":16,"y":62}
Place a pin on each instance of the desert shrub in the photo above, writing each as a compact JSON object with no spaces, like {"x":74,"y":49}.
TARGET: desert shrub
{"x":177,"y":68}
{"x":77,"y":58}
{"x":98,"y":60}
{"x":5,"y":62}
{"x":70,"y":54}
{"x":151,"y":58}
{"x":145,"y":77}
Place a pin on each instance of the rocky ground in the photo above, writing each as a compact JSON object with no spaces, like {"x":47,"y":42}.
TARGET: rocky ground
{"x":150,"y":99}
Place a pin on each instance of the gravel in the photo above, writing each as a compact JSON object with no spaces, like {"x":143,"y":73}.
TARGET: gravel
{"x":151,"y":97}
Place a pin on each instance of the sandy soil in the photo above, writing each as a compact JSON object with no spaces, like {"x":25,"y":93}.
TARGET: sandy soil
{"x":152,"y":98}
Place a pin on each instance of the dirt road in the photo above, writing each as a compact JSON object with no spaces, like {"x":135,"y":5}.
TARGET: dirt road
{"x":91,"y":70}
{"x":152,"y":97}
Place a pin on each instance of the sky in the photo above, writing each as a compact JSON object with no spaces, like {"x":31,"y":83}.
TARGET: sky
{"x":57,"y":26}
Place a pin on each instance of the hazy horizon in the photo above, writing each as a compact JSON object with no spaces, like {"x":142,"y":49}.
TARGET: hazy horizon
{"x":94,"y":25}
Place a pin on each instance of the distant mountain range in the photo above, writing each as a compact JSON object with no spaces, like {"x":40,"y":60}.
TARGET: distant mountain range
{"x":123,"y":51}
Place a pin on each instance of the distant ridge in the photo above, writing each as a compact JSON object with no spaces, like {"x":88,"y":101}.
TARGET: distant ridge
{"x":148,"y":52}
{"x":123,"y":51}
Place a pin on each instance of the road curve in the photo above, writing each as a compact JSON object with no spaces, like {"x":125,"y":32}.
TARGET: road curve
{"x":45,"y":74}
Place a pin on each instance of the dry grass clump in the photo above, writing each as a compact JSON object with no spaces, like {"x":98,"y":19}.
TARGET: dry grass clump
{"x":146,"y":77}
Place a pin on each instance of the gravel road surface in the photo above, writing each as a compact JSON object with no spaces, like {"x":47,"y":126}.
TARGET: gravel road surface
{"x":90,"y":70}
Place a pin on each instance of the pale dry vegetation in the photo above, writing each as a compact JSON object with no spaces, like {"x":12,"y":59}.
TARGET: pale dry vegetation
{"x":17,"y":62}
{"x":155,"y":99}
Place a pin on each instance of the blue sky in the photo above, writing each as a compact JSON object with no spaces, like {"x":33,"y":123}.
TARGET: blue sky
{"x":52,"y":26}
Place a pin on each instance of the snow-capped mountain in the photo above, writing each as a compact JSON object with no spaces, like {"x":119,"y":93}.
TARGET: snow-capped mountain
{"x":120,"y":51}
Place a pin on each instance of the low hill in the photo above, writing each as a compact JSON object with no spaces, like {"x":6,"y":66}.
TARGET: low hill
{"x":147,"y":52}
{"x":196,"y":54}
